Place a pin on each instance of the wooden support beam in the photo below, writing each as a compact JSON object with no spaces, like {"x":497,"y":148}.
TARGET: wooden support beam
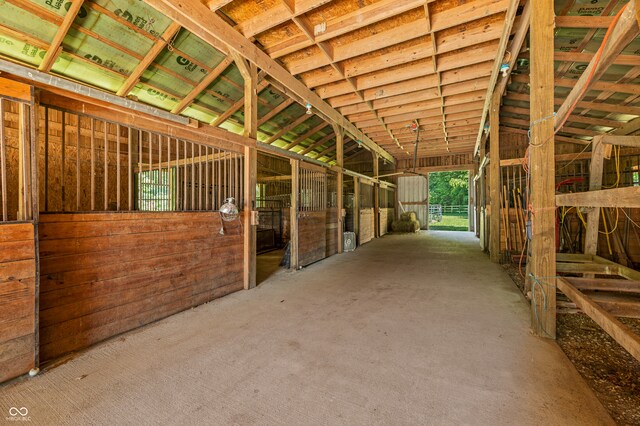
{"x":24,"y":164}
{"x":155,"y":50}
{"x":356,"y":207}
{"x":204,"y":83}
{"x":611,"y":139}
{"x":623,"y":271}
{"x":542,"y":263}
{"x":376,"y":196}
{"x":620,"y":332}
{"x":494,"y":177}
{"x":56,"y":45}
{"x":563,"y":157}
{"x":249,"y":74}
{"x":217,"y":4}
{"x":603,"y":86}
{"x":616,"y":197}
{"x":502,"y":48}
{"x":198,"y":19}
{"x":339,"y":185}
{"x":249,"y":180}
{"x":596,"y":169}
{"x":605,"y":284}
{"x":293,"y":219}
{"x":625,"y":30}
{"x":236,"y":106}
{"x":589,"y":22}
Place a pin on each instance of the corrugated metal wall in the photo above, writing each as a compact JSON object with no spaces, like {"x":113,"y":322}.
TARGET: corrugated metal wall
{"x":413,"y":193}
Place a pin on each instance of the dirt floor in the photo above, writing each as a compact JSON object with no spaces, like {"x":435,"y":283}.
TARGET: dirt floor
{"x":611,"y":372}
{"x":268,"y":264}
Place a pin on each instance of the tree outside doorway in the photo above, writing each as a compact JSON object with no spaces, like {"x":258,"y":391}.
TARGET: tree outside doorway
{"x":449,"y":201}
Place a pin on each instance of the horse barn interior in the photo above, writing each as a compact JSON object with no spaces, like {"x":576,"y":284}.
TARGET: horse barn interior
{"x":199,"y":200}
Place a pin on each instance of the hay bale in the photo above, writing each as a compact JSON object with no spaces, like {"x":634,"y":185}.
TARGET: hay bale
{"x":408,"y":216}
{"x":405,"y":226}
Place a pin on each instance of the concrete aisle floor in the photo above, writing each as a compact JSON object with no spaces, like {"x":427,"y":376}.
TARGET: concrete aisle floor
{"x":409,"y":329}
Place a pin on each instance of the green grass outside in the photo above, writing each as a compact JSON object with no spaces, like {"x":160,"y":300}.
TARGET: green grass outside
{"x":451,"y":222}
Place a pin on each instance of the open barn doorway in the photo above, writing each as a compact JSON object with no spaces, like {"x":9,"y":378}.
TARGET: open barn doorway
{"x":273,"y":200}
{"x":449,"y":201}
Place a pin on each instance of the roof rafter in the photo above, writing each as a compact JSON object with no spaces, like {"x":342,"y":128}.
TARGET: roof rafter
{"x":625,"y":30}
{"x":305,"y":136}
{"x":56,"y":45}
{"x":202,"y":85}
{"x":198,"y":19}
{"x":318,"y":143}
{"x":153,"y":53}
{"x":289,"y":127}
{"x":346,"y":23}
{"x":238,"y":104}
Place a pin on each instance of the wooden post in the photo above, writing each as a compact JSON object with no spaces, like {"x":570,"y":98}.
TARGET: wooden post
{"x":476,"y":191}
{"x":34,"y":119}
{"x":482,"y":222}
{"x":595,"y":183}
{"x":24,"y":163}
{"x":470,"y":209}
{"x":494,"y":178}
{"x":250,"y":75}
{"x":249,"y":180}
{"x":376,"y":196}
{"x":293,"y":241}
{"x":427,"y":225}
{"x":542,"y":171}
{"x":356,"y":207}
{"x":339,"y":185}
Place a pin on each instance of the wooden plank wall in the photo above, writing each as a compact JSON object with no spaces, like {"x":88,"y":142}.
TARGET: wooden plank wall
{"x":366,"y":226}
{"x":18,"y":279}
{"x":106,"y":273}
{"x":332,"y":232}
{"x":312,"y":236}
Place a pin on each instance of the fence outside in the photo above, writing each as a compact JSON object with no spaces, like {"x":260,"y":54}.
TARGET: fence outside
{"x":436,"y":211}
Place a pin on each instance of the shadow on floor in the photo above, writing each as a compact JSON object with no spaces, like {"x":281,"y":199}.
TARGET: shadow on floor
{"x":268,"y":264}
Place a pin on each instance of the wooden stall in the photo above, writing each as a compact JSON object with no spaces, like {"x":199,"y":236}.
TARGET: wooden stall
{"x":387,"y":211}
{"x":129,"y":230}
{"x":18,"y":286}
{"x":367,"y":221}
{"x":332,"y":218}
{"x":273,"y":202}
{"x":106,"y":273}
{"x":18,"y":255}
{"x":312,"y":214}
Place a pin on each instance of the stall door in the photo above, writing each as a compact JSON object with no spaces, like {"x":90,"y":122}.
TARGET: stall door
{"x":312,"y":216}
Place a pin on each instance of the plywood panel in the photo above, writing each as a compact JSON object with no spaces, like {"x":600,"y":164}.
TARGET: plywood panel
{"x":17,"y":299}
{"x":367,"y":226}
{"x":386,"y":217}
{"x":107,"y":273}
